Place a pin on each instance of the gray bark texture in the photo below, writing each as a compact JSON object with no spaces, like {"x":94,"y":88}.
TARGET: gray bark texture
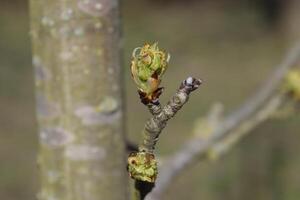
{"x":79,"y":99}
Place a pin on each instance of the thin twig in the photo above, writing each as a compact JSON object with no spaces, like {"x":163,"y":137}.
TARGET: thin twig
{"x":263,"y":114}
{"x":153,"y":105}
{"x":195,"y":148}
{"x":142,"y":188}
{"x":157,"y":123}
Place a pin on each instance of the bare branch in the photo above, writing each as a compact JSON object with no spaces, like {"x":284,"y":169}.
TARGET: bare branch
{"x":195,"y":148}
{"x":142,"y":165}
{"x":157,"y":123}
{"x":154,"y":107}
{"x":221,"y":147}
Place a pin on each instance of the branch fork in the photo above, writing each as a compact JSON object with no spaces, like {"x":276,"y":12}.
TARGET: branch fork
{"x":157,"y":123}
{"x":147,"y":67}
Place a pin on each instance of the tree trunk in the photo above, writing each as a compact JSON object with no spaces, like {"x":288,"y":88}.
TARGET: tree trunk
{"x":79,"y":100}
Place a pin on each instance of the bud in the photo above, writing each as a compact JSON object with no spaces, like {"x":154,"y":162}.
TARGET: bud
{"x":147,"y":67}
{"x":292,"y":84}
{"x":142,"y":166}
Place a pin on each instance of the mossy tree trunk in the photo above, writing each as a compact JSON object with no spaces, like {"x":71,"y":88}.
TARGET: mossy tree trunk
{"x":79,"y":99}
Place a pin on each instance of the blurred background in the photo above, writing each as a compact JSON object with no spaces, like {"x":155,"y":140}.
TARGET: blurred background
{"x":232,"y":44}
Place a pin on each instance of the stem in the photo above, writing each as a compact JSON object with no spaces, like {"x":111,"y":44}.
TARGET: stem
{"x":157,"y":123}
{"x":153,"y":128}
{"x":141,"y":189}
{"x":221,"y":147}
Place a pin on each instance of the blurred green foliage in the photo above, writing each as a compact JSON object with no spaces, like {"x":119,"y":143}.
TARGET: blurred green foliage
{"x":229,"y":46}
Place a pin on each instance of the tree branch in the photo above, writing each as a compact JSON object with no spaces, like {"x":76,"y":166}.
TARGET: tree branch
{"x":220,"y":148}
{"x":142,"y":165}
{"x":265,"y":99}
{"x":157,"y":123}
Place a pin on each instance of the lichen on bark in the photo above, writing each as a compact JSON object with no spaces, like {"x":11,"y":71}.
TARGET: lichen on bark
{"x":80,"y":112}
